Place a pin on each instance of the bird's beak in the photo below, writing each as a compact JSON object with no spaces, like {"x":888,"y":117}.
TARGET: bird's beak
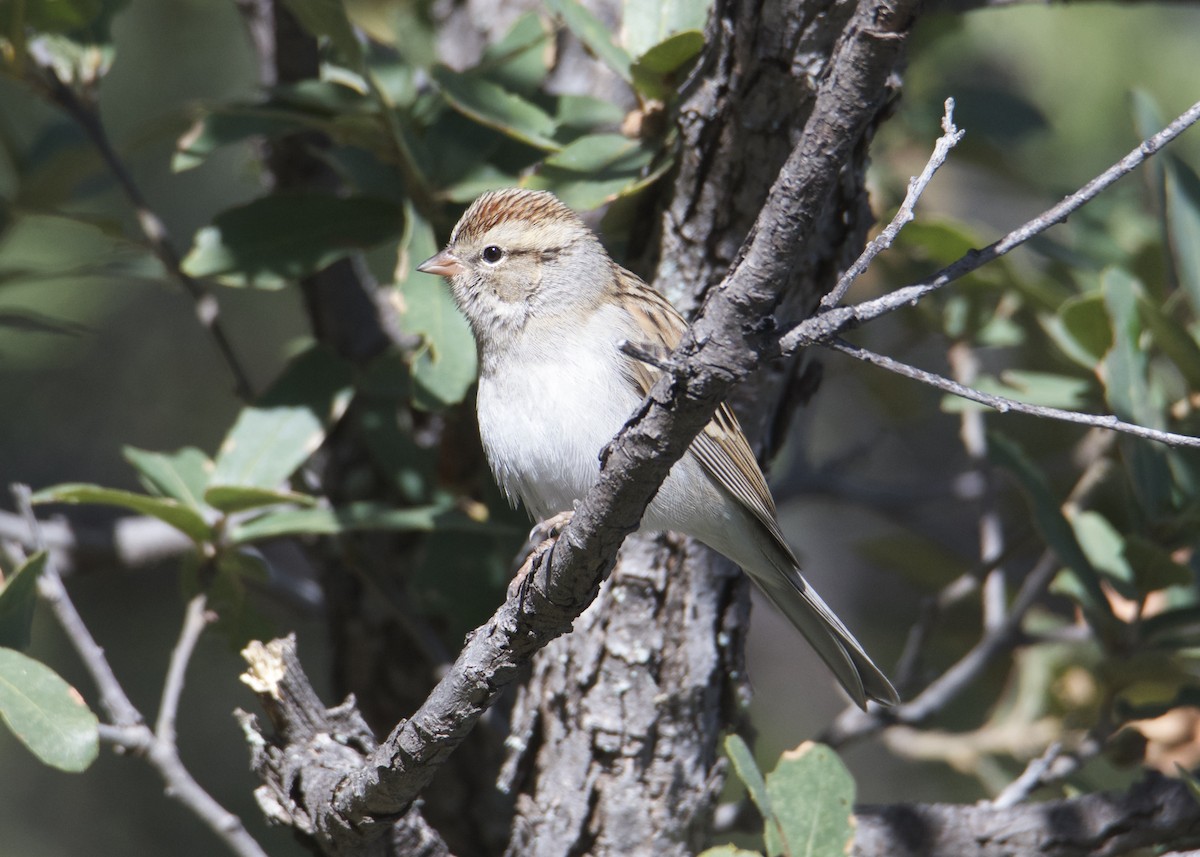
{"x":444,"y":264}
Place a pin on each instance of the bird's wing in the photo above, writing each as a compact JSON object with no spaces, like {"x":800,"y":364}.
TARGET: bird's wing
{"x":721,"y":447}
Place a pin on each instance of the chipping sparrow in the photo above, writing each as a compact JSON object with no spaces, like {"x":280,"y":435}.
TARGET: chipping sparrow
{"x":549,"y":310}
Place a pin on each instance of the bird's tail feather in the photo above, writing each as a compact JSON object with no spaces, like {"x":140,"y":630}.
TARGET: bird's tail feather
{"x":826,"y":633}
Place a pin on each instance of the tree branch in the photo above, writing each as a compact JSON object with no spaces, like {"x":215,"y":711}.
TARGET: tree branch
{"x":1004,"y":405}
{"x":824,"y":327}
{"x":155,"y":231}
{"x":951,"y":135}
{"x":128,"y":729}
{"x":1156,"y":810}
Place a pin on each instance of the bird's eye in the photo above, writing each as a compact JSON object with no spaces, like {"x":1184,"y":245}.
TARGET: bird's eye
{"x":492,"y":254}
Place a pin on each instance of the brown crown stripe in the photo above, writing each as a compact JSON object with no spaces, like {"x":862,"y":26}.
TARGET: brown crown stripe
{"x":499,"y":206}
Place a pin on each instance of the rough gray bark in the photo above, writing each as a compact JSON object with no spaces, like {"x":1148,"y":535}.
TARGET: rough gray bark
{"x":1156,"y":811}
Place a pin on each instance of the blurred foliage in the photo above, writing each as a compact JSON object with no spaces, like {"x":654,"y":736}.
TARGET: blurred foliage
{"x":119,"y":400}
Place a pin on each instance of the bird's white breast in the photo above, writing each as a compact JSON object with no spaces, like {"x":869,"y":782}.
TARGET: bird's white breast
{"x":548,"y":405}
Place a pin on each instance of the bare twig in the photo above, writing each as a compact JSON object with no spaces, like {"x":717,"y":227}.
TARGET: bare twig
{"x":1054,"y":765}
{"x":155,"y":231}
{"x":113,"y":699}
{"x":194,"y":621}
{"x":1004,"y":404}
{"x":916,"y":186}
{"x":824,"y":327}
{"x":128,"y":728}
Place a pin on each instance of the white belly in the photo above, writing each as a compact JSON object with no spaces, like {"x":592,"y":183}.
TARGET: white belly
{"x":543,"y":425}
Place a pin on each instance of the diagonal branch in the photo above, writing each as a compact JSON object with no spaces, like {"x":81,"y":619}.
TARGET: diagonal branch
{"x":155,"y":231}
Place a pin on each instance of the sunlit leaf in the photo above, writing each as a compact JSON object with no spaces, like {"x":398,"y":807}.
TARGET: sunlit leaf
{"x":812,"y":801}
{"x":285,"y":237}
{"x":180,"y":475}
{"x":519,"y":61}
{"x":46,"y":714}
{"x":496,"y":107}
{"x":594,"y":34}
{"x":646,"y":24}
{"x":658,"y":72}
{"x":445,"y":365}
{"x":1086,"y":320}
{"x":597,"y":152}
{"x":352,"y":518}
{"x":240,"y":498}
{"x":748,"y":772}
{"x":1105,"y":548}
{"x":275,"y":436}
{"x":17,"y":599}
{"x":183,"y":518}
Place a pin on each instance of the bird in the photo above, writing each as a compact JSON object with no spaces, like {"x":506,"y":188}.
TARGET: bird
{"x":549,"y":310}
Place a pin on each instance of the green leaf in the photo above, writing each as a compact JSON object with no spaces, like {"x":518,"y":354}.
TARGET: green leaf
{"x":274,"y":437}
{"x":813,"y":797}
{"x":1086,"y":320}
{"x":239,"y":498}
{"x":43,"y":246}
{"x":519,"y":61}
{"x":597,"y":152}
{"x":646,"y":24}
{"x":658,"y":72}
{"x":17,"y":600}
{"x":583,"y":113}
{"x":1173,"y":339}
{"x":328,"y":18}
{"x":1183,"y":225}
{"x":231,"y":124}
{"x":747,"y":770}
{"x":444,"y":367}
{"x":1105,"y":548}
{"x":495,"y":107}
{"x":352,"y":518}
{"x":181,"y":475}
{"x":1130,"y":395}
{"x":238,"y":618}
{"x":287,"y":236}
{"x":1052,"y":524}
{"x":729,"y":851}
{"x":183,"y":518}
{"x":46,"y":714}
{"x":594,"y":34}
{"x":1153,"y":567}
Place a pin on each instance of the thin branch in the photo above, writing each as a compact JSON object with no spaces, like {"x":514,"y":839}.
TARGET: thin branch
{"x":128,"y":728}
{"x":195,"y":620}
{"x":182,"y":787}
{"x":916,"y":186}
{"x":113,"y":699}
{"x":853,"y":724}
{"x":824,"y":327}
{"x":1003,"y":404}
{"x":153,"y":228}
